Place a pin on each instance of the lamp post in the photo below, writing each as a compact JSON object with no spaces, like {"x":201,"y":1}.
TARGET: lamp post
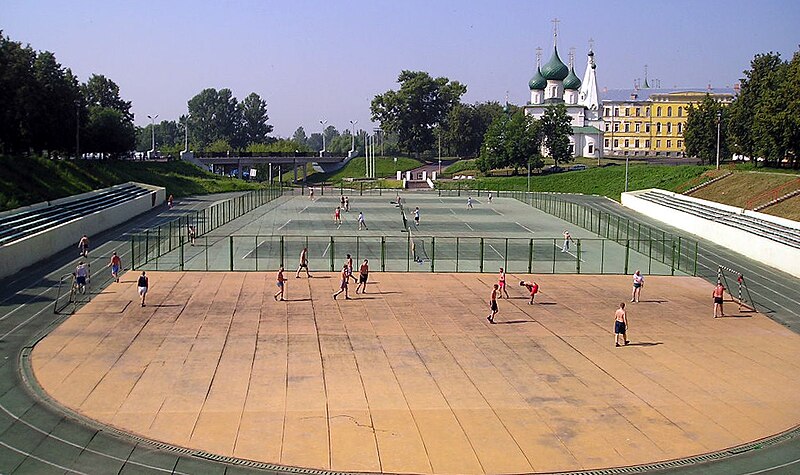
{"x":323,"y":122}
{"x":440,"y":148}
{"x":153,"y":129}
{"x":719,"y":120}
{"x":353,"y":129}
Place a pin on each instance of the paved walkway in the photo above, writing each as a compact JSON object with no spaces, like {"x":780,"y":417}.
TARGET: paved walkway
{"x":411,"y":378}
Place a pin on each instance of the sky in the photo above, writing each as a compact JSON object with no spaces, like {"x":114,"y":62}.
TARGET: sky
{"x":326,"y":60}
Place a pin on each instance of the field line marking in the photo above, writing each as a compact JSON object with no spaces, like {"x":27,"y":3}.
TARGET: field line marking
{"x":470,"y":227}
{"x":284,"y":225}
{"x":524,"y":227}
{"x":495,"y":250}
{"x":567,"y":252}
{"x":326,"y":249}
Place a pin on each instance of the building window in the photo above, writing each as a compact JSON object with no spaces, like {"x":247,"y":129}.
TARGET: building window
{"x":607,"y":143}
{"x":680,"y":143}
{"x":606,"y":111}
{"x":627,"y":127}
{"x":680,"y":111}
{"x":638,"y":111}
{"x":680,"y":128}
{"x":658,"y":128}
{"x":646,"y":144}
{"x":658,"y":144}
{"x":669,"y":128}
{"x":554,"y":91}
{"x":658,"y":111}
{"x":608,"y":126}
{"x":591,"y":148}
{"x":669,"y":143}
{"x":616,"y":126}
{"x":616,"y":143}
{"x":647,"y":127}
{"x":647,"y":112}
{"x":669,"y":111}
{"x":627,"y":143}
{"x":636,"y":143}
{"x":627,"y":111}
{"x":616,"y":112}
{"x":638,"y":127}
{"x":572,"y":149}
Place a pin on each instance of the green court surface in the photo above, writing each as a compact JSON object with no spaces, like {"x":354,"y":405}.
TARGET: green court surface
{"x":450,"y":237}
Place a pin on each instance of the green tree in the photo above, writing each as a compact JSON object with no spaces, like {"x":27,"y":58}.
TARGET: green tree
{"x":700,"y":134}
{"x":412,"y":111}
{"x":108,"y":131}
{"x":214,"y":115}
{"x":254,"y":126}
{"x":512,"y":141}
{"x":99,"y":91}
{"x":299,"y":136}
{"x":555,"y":130}
{"x":466,"y":126}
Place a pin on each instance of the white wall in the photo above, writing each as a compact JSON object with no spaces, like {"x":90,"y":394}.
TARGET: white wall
{"x":28,"y":251}
{"x":767,"y":251}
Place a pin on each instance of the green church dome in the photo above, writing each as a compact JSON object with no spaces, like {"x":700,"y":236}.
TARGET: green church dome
{"x":537,"y":82}
{"x":572,"y":81}
{"x":555,"y":69}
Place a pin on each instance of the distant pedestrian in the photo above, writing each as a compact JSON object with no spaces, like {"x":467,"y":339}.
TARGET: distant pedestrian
{"x":83,"y":246}
{"x":337,"y":216}
{"x":492,"y":304}
{"x":567,"y":240}
{"x":718,"y":294}
{"x":343,"y":281}
{"x":281,"y":283}
{"x":416,"y":216}
{"x":362,"y":223}
{"x":303,"y":263}
{"x":116,"y":266}
{"x":638,"y":283}
{"x":347,"y":204}
{"x":170,"y":202}
{"x":341,"y":201}
{"x":142,"y":285}
{"x":192,"y":234}
{"x":81,"y":276}
{"x":363,"y":275}
{"x":489,"y":197}
{"x":620,"y":324}
{"x":501,"y":281}
{"x":311,"y":193}
{"x":532,"y":287}
{"x":469,"y":202}
{"x":349,"y":264}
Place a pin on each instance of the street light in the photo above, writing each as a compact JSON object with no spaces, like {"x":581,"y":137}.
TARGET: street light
{"x":153,"y":128}
{"x":440,"y":147}
{"x":719,"y":120}
{"x":353,"y":128}
{"x":323,"y":122}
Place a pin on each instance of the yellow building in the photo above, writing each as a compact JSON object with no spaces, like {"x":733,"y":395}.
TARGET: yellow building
{"x":650,"y":122}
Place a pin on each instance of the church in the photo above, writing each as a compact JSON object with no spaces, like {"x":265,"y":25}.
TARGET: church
{"x":556,"y":83}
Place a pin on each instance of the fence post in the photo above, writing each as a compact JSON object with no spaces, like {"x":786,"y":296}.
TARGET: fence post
{"x":481,"y":264}
{"x":181,"y":246}
{"x":383,"y":253}
{"x":530,"y":256}
{"x":205,"y":251}
{"x":230,"y":241}
{"x":456,"y":253}
{"x":602,"y":255}
{"x":133,"y":256}
{"x":332,"y":244}
{"x":505,"y":256}
{"x":281,"y":250}
{"x":695,"y":259}
{"x":255,"y":249}
{"x":680,"y":253}
{"x":433,"y":253}
{"x":672,"y":267}
{"x":146,"y":246}
{"x":578,"y":257}
{"x":627,"y":254}
{"x":169,"y":246}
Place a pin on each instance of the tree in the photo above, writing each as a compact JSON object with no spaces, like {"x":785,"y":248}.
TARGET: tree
{"x":700,"y":134}
{"x":99,"y":91}
{"x":214,"y":115}
{"x":466,"y":126}
{"x":413,"y":110}
{"x":556,"y":129}
{"x":512,"y":141}
{"x":108,"y":131}
{"x":254,"y":127}
{"x":299,"y":136}
{"x":314,"y":141}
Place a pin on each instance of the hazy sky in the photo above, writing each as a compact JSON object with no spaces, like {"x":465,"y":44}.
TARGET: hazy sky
{"x":314,"y":60}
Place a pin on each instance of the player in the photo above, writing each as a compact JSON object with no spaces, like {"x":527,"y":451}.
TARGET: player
{"x":638,"y":283}
{"x":341,"y":201}
{"x":83,"y":245}
{"x":347,"y":204}
{"x":489,"y":197}
{"x":567,"y":240}
{"x":469,"y":202}
{"x":311,"y":193}
{"x":532,"y":287}
{"x":143,"y":284}
{"x":343,"y":284}
{"x":416,"y":216}
{"x":337,"y":216}
{"x":492,"y":304}
{"x":363,"y":275}
{"x":718,"y":293}
{"x":170,"y":202}
{"x":192,"y":234}
{"x":116,"y":266}
{"x":303,"y":263}
{"x":502,"y":283}
{"x":349,"y":264}
{"x":620,"y":324}
{"x":361,"y":222}
{"x":281,"y":283}
{"x":81,"y":274}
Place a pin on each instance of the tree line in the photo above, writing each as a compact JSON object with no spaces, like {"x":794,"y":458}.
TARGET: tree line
{"x":762,"y":122}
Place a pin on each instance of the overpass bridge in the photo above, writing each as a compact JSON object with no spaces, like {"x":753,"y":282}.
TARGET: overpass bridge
{"x":325,"y":160}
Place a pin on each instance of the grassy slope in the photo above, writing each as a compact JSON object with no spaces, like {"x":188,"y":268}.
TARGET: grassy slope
{"x":789,"y":209}
{"x":356,"y":168}
{"x":25,"y":181}
{"x":749,"y":189}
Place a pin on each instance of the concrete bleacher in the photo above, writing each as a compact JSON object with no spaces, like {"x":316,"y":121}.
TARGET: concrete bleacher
{"x":36,"y":232}
{"x":768,"y":239}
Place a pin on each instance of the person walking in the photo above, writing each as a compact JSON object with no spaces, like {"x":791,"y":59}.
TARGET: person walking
{"x":416,"y":216}
{"x":142,"y":285}
{"x":620,"y":324}
{"x":337,"y":215}
{"x":362,"y":223}
{"x":342,"y":284}
{"x":567,"y":240}
{"x":489,"y":197}
{"x":311,"y":193}
{"x":116,"y":266}
{"x":349,"y":264}
{"x":170,"y":202}
{"x":363,"y":275}
{"x":83,"y":246}
{"x":532,"y":287}
{"x":469,"y":202}
{"x":192,"y":234}
{"x":501,"y":281}
{"x":81,"y":274}
{"x":718,"y":294}
{"x":281,"y":283}
{"x":347,"y":204}
{"x":341,"y":201}
{"x":492,"y":304}
{"x":638,"y":283}
{"x":303,"y":263}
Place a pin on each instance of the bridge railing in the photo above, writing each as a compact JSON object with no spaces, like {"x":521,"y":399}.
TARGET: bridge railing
{"x":265,"y":154}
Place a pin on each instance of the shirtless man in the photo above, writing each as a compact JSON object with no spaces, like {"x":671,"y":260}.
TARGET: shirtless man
{"x":116,"y":266}
{"x":638,"y":283}
{"x":363,"y":275}
{"x":567,"y":240}
{"x":620,"y":324}
{"x":303,"y":263}
{"x":502,"y":283}
{"x":281,"y":283}
{"x":342,"y":284}
{"x":532,"y":287}
{"x":83,"y":245}
{"x":349,"y":264}
{"x":493,"y":304}
{"x":718,"y":294}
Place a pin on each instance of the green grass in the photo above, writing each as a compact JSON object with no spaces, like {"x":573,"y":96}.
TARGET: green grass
{"x":30,"y":180}
{"x":460,"y":166}
{"x":385,"y":167}
{"x":605,"y":181}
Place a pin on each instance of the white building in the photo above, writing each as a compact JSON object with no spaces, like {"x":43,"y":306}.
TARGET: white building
{"x":555,"y":83}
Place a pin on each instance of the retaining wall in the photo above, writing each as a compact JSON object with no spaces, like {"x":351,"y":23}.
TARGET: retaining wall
{"x":64,"y":237}
{"x":767,"y":251}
